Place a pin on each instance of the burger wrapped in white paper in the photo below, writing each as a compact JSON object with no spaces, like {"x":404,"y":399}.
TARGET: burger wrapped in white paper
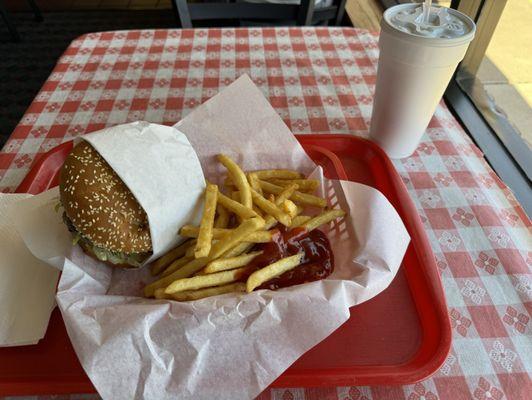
{"x":127,"y":190}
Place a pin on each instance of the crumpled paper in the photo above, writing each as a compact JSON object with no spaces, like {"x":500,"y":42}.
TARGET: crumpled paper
{"x":231,"y":346}
{"x":27,"y":284}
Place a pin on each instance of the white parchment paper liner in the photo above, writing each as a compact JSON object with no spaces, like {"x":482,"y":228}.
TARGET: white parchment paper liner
{"x":230,"y":346}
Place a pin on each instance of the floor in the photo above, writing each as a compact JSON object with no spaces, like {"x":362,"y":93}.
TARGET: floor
{"x":506,"y":71}
{"x":25,"y":66}
{"x":364,"y":13}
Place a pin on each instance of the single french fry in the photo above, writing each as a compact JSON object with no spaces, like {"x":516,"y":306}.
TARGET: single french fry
{"x":259,"y":212}
{"x":203,"y":281}
{"x":203,"y":244}
{"x":228,"y":183}
{"x":304,"y":185}
{"x":299,"y":220}
{"x":200,"y":272}
{"x":298,"y":197}
{"x":277,"y":174}
{"x":236,"y":207}
{"x":271,"y":271}
{"x":259,"y":237}
{"x":193,"y":231}
{"x":240,"y":248}
{"x":189,"y":295}
{"x":190,"y":251}
{"x":159,"y":294}
{"x":235,"y":196}
{"x":185,"y":271}
{"x":162,"y":262}
{"x":323,"y":218}
{"x":222,"y":220}
{"x":254,"y":182}
{"x":239,"y":179}
{"x":224,"y":264}
{"x":218,"y":233}
{"x":176,"y":265}
{"x":308,"y":199}
{"x":237,"y":235}
{"x":290,"y":208}
{"x":270,"y":208}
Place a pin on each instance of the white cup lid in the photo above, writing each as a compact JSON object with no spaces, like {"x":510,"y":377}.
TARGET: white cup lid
{"x":445,"y":27}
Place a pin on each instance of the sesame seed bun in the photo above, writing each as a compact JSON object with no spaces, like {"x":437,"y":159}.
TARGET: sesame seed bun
{"x":100,"y":206}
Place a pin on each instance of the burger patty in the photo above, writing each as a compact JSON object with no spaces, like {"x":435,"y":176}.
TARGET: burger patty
{"x":134,"y":259}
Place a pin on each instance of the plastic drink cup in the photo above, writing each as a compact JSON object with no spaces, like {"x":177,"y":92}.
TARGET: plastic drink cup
{"x":417,"y":60}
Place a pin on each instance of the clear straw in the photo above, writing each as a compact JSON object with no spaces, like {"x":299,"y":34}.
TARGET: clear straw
{"x":426,"y":11}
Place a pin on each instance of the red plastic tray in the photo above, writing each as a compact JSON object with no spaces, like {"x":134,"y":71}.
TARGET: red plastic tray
{"x":399,"y":337}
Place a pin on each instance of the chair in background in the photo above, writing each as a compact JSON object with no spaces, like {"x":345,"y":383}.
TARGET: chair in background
{"x":10,"y":26}
{"x":304,"y":13}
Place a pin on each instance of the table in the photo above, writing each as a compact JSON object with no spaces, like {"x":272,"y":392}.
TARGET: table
{"x":320,"y":80}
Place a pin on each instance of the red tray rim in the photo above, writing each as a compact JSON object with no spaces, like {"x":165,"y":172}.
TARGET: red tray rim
{"x":397,"y":374}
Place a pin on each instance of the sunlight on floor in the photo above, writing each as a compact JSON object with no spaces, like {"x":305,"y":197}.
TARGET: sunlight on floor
{"x":506,"y":71}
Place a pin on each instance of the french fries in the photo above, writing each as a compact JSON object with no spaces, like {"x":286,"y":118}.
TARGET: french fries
{"x":270,"y":208}
{"x":299,"y":220}
{"x":269,"y":174}
{"x":224,"y":264}
{"x":189,"y":295}
{"x":254,"y":182}
{"x":240,"y":248}
{"x":218,"y":256}
{"x":203,"y":244}
{"x":218,"y":233}
{"x":304,"y":185}
{"x":284,"y":195}
{"x":222,"y":220}
{"x":277,"y":173}
{"x":177,"y":264}
{"x":236,"y":207}
{"x":298,"y":197}
{"x":191,"y":250}
{"x":239,"y":179}
{"x":185,"y":271}
{"x":236,"y":236}
{"x":162,"y":262}
{"x":323,"y":218}
{"x":290,"y":208}
{"x":203,"y":281}
{"x":263,"y":275}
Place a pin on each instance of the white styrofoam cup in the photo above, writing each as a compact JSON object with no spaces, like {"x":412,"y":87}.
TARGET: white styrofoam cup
{"x":413,"y":73}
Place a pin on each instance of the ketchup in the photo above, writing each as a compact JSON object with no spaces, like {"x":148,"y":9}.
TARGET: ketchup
{"x":317,"y":262}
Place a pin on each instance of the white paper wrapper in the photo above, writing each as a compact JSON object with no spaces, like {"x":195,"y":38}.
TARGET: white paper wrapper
{"x":230,"y":346}
{"x":161,"y":169}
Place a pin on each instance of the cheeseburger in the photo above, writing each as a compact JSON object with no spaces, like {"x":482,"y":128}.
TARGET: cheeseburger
{"x":101,"y":212}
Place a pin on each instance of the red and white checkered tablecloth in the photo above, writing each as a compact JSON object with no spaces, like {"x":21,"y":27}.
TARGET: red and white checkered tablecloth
{"x":320,"y":80}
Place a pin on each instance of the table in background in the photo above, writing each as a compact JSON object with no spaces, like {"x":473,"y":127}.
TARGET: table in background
{"x":320,"y":80}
